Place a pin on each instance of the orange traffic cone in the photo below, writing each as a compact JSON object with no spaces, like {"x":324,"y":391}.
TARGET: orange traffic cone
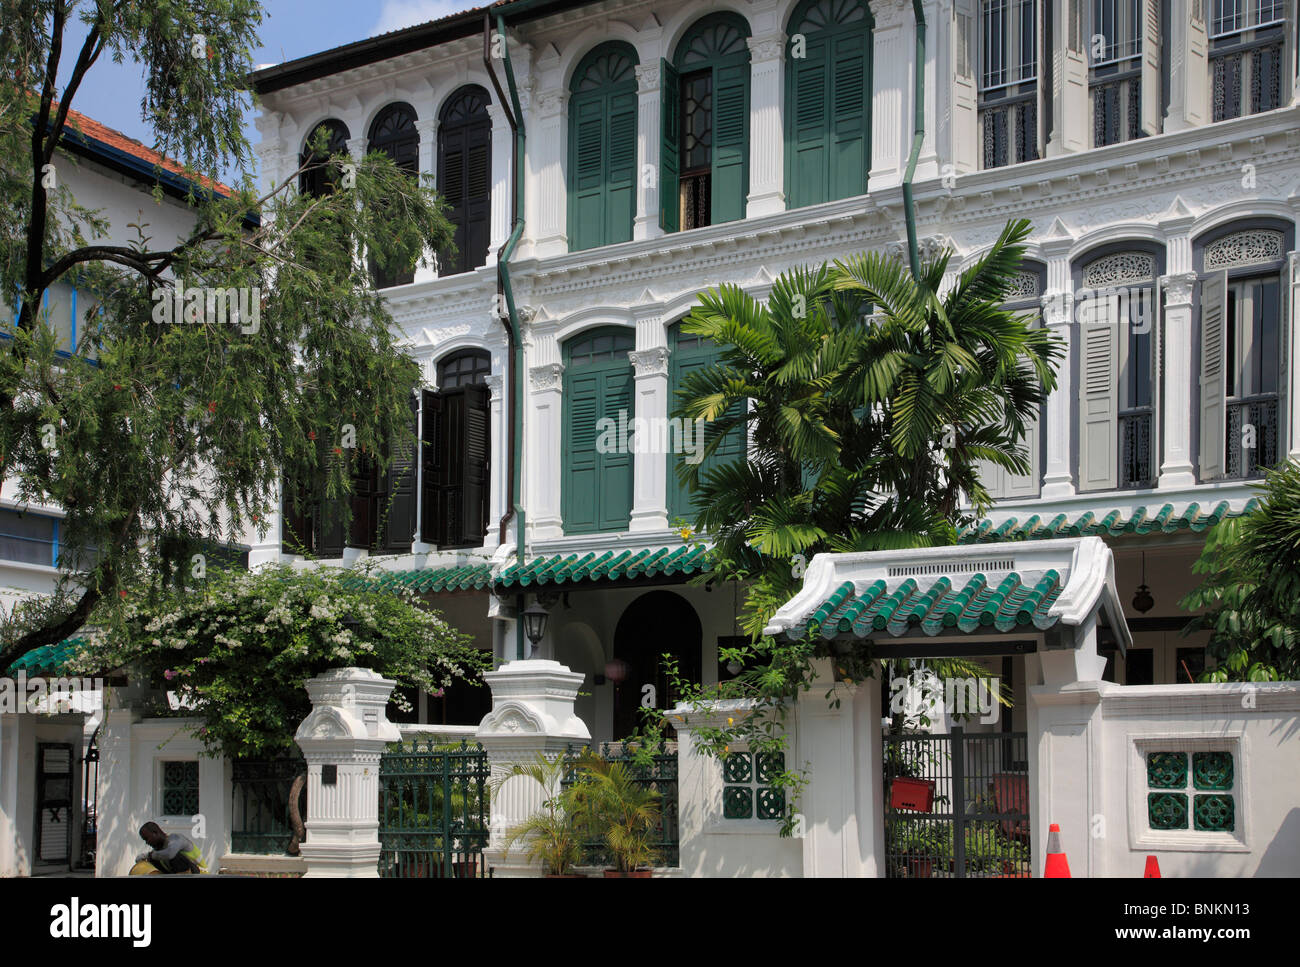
{"x":1152,"y":872}
{"x":1057,"y":866}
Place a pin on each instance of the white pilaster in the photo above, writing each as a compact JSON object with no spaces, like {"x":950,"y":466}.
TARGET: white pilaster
{"x":548,"y":160}
{"x":1058,"y":314}
{"x":346,"y":730}
{"x":426,"y":269}
{"x":647,"y":224}
{"x":1291,"y":290}
{"x":545,"y":459}
{"x":500,"y":452}
{"x":893,"y":43}
{"x":767,"y":134}
{"x":502,"y":172}
{"x":1176,"y":470}
{"x":650,"y":460}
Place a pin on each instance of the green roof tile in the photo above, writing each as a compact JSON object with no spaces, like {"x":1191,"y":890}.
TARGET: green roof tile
{"x":1111,"y":523}
{"x":48,"y":658}
{"x":595,"y":567}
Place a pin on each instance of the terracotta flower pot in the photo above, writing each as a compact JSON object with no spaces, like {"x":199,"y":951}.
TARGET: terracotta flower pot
{"x":636,"y":874}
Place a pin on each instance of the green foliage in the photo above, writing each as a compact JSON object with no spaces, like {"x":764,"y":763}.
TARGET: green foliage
{"x":182,"y":431}
{"x":606,"y":801}
{"x":869,"y":399}
{"x":1250,"y":594}
{"x":238,"y":650}
{"x":550,"y":836}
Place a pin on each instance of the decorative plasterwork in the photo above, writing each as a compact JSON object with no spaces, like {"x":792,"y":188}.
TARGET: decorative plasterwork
{"x":647,"y":78}
{"x":650,"y":362}
{"x":1245,"y":248}
{"x":766,"y":49}
{"x":546,"y":377}
{"x":1024,"y":286}
{"x":1122,"y":268}
{"x":1179,"y":288}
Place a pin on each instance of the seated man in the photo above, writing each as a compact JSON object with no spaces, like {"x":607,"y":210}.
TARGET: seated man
{"x":170,"y":854}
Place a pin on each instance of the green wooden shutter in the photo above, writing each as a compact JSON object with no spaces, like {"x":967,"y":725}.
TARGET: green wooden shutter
{"x":1214,"y":320}
{"x":615,"y":476}
{"x":850,"y":116}
{"x":669,"y":128}
{"x":587,"y":172}
{"x":684,"y":362}
{"x":582,"y":411}
{"x":1099,"y":402}
{"x":730,"y":142}
{"x":620,"y":205}
{"x":808,"y":120}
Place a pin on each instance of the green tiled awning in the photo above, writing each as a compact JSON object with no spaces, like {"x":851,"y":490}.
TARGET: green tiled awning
{"x":1161,"y":520}
{"x":939,"y":606}
{"x":48,"y":658}
{"x":593,"y":567}
{"x":470,"y":577}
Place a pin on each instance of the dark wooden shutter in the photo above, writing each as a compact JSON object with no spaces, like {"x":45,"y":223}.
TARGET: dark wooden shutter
{"x":621,"y":177}
{"x":670,"y":123}
{"x":362,"y":530}
{"x":730,"y":142}
{"x":474,"y":465}
{"x":399,"y":501}
{"x":295,"y":519}
{"x":850,"y":114}
{"x":465,"y":182}
{"x":615,"y":474}
{"x":430,"y":514}
{"x":808,"y":99}
{"x":587,"y":172}
{"x":329,"y":520}
{"x":582,"y":411}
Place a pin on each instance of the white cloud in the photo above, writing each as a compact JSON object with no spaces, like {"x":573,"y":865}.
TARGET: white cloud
{"x":396,"y":14}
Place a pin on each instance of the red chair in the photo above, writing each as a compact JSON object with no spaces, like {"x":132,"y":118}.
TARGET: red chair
{"x":1011,"y":793}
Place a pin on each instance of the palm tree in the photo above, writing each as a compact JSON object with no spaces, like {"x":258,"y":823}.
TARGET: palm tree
{"x":550,"y":836}
{"x":869,"y":397}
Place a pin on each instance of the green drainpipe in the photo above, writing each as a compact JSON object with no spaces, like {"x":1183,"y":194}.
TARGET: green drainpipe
{"x":918,"y":135}
{"x":516,"y":119}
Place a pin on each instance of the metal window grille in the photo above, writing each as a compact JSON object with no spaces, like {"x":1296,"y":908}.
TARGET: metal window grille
{"x":180,"y":788}
{"x":1234,"y":16}
{"x":260,"y":803}
{"x":1008,"y":43}
{"x":1118,"y":24}
{"x":1252,"y":420}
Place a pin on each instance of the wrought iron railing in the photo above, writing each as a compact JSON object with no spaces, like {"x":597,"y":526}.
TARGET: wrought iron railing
{"x":433,"y":810}
{"x":1135,"y":468}
{"x":1246,"y":77}
{"x":1251,"y":435}
{"x":656,"y":770}
{"x":260,"y":790}
{"x":1009,"y":128}
{"x":696,"y":205}
{"x":1116,"y":110}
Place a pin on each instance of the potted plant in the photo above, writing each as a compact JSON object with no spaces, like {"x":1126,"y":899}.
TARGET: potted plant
{"x":550,"y":836}
{"x":607,"y":800}
{"x":927,"y":847}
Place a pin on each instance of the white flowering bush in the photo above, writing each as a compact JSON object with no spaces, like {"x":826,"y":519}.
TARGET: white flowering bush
{"x":238,"y":648}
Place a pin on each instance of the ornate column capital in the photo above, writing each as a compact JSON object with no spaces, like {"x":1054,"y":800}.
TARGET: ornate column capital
{"x":1058,"y":308}
{"x":551,"y":103}
{"x":890,"y":13}
{"x":1179,"y":288}
{"x":427,"y":127}
{"x":495,"y":383}
{"x":650,"y":362}
{"x":647,"y":78}
{"x":357,"y":147}
{"x":765,"y":49}
{"x":546,"y":376}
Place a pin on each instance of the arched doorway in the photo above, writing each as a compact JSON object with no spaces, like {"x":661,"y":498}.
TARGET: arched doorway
{"x":655,"y":624}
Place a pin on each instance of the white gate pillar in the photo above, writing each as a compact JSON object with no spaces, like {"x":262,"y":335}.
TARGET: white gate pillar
{"x":342,"y":739}
{"x":532,"y":711}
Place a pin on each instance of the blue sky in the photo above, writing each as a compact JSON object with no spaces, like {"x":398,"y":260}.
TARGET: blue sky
{"x":290,"y":29}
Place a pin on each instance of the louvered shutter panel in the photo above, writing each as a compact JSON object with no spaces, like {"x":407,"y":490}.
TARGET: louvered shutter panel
{"x":430,"y":516}
{"x":730,"y":182}
{"x":329,"y":523}
{"x":1287,"y":443}
{"x":1099,"y":401}
{"x":850,"y":114}
{"x":399,"y":504}
{"x":993,"y":477}
{"x":965,"y":112}
{"x":361,"y":532}
{"x":451,"y":469}
{"x":581,"y":414}
{"x":615,"y":474}
{"x":451,"y":184}
{"x":474,"y":465}
{"x":295,"y":520}
{"x":808,"y":100}
{"x":1213,"y":404}
{"x":1026,"y":485}
{"x":1150,"y":84}
{"x":620,"y":206}
{"x":670,"y":122}
{"x":478,"y":195}
{"x":679,"y":493}
{"x":587,"y":173}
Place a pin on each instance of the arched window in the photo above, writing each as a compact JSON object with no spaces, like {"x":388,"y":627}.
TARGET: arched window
{"x":454,"y":451}
{"x":1243,"y":335}
{"x":597,"y":488}
{"x":393,"y":132}
{"x":602,"y":147}
{"x":320,"y":180}
{"x":1118,"y":314}
{"x":465,"y":176}
{"x":704,"y":154}
{"x":687,"y":354}
{"x":827,"y":101}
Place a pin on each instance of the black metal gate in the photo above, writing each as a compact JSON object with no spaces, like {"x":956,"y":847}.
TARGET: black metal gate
{"x":976,"y":822}
{"x":259,"y":810}
{"x":433,"y":810}
{"x":90,"y":801}
{"x":54,"y":802}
